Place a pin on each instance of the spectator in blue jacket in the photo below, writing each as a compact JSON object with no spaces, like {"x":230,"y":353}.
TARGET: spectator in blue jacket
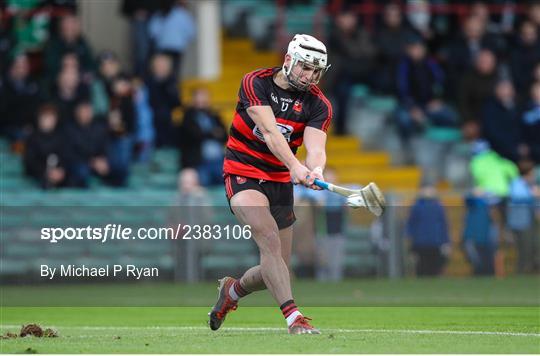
{"x":122,"y":121}
{"x":428,"y":230}
{"x":144,"y":125}
{"x":480,"y":233}
{"x":521,"y":216}
{"x":172,"y":29}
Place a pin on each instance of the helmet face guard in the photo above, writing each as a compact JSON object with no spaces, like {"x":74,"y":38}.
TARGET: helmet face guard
{"x":307,"y":54}
{"x":295,"y":73}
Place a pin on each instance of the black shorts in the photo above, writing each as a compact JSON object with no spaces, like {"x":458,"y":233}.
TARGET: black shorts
{"x":280,"y":195}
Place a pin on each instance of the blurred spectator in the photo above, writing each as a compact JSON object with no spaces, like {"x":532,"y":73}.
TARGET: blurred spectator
{"x":471,"y":131}
{"x":202,"y":136}
{"x":164,"y":97}
{"x":479,"y":233}
{"x":122,"y":119}
{"x":530,"y":126}
{"x":87,"y":147}
{"x":109,"y":69}
{"x":477,"y":85}
{"x":533,"y":13}
{"x":189,"y":187}
{"x":500,"y":121}
{"x":462,"y":55}
{"x":68,"y":91}
{"x":101,"y":85}
{"x":521,"y":216}
{"x":353,"y":55}
{"x":6,"y":43}
{"x":331,"y":247}
{"x":419,"y":17}
{"x":144,"y":127}
{"x":69,"y":39}
{"x":59,"y":8}
{"x":524,"y":57}
{"x":420,"y":87}
{"x":535,"y":77}
{"x":505,"y":23}
{"x":70,"y":61}
{"x":304,"y":246}
{"x":20,"y":96}
{"x":44,"y":154}
{"x":390,"y":40}
{"x":191,"y":206}
{"x":491,"y":173}
{"x":428,"y":230}
{"x":172,"y":29}
{"x":139,"y":12}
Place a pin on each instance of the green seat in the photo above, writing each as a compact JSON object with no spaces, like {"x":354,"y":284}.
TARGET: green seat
{"x":358,"y":264}
{"x":108,"y":250}
{"x":443,"y":134}
{"x":381,"y":103}
{"x":358,"y":246}
{"x":233,"y":247}
{"x":66,"y":249}
{"x":359,"y":91}
{"x":22,"y":250}
{"x":12,"y":266}
{"x":265,"y":10}
{"x":358,"y":232}
{"x":220,"y":262}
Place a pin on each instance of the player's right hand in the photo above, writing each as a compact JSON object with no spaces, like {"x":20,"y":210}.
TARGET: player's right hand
{"x":300,"y":174}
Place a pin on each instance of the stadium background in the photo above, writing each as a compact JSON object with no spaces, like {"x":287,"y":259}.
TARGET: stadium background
{"x":231,"y":38}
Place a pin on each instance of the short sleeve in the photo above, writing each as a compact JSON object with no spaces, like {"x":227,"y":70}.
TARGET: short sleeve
{"x":321,"y":115}
{"x":253,"y":91}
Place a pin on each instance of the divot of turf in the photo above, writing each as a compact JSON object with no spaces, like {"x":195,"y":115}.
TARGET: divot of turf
{"x":30,"y":330}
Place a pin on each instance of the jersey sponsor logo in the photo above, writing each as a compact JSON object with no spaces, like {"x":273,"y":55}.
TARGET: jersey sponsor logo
{"x":274,"y":98}
{"x":240,"y":180}
{"x":284,"y":106}
{"x":286,"y":131}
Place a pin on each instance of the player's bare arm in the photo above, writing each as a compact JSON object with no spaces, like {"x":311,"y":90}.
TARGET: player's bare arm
{"x":315,"y":144}
{"x":266,"y":122}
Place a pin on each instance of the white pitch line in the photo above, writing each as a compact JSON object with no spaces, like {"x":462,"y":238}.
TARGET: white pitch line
{"x":262,"y":329}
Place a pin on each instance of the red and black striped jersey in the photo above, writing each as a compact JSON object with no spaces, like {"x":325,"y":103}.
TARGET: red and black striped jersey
{"x":247,"y":154}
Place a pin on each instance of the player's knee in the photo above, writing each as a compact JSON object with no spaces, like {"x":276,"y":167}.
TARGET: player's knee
{"x":270,"y":243}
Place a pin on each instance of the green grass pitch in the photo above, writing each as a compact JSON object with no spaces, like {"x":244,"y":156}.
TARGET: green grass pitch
{"x":362,"y":316}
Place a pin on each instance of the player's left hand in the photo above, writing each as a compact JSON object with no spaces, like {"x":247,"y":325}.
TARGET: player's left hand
{"x":316,"y":173}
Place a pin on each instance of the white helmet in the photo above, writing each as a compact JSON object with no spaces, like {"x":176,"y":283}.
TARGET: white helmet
{"x":307,"y":52}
